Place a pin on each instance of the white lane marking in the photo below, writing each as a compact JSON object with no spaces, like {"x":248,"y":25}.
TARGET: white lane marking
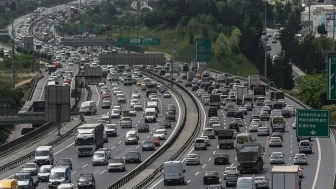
{"x":119,"y":142}
{"x":203,"y":165}
{"x":196,"y":173}
{"x":112,"y":147}
{"x":318,"y":163}
{"x":44,"y":84}
{"x":188,"y":181}
{"x":98,"y":96}
{"x":102,"y":172}
{"x":85,"y":165}
{"x":73,"y":172}
{"x":64,"y":148}
{"x":214,"y":152}
{"x":137,"y":147}
{"x":209,"y":159}
{"x":187,"y":154}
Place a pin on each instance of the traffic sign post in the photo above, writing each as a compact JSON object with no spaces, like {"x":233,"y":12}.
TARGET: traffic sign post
{"x":203,"y":49}
{"x":312,"y":123}
{"x":138,"y":41}
{"x":331,"y":76}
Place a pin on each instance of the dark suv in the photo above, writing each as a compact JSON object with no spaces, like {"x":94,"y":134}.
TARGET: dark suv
{"x":133,"y":157}
{"x":221,"y":158}
{"x":86,"y":180}
{"x":170,"y":115}
{"x":166,"y":123}
{"x":143,"y":127}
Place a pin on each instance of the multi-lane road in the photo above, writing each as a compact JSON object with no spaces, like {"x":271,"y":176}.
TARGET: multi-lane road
{"x":318,"y":174}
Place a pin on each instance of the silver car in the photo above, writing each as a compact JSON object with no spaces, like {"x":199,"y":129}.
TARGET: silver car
{"x":193,"y":159}
{"x":31,"y":168}
{"x":300,"y":159}
{"x":44,"y":173}
{"x":261,"y":182}
{"x":108,"y":152}
{"x":99,"y":158}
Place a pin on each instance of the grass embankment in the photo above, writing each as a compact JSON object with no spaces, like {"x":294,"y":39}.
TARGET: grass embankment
{"x":184,"y":50}
{"x":23,"y":81}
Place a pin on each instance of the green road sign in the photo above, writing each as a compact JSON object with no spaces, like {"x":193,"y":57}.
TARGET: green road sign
{"x":129,"y":41}
{"x":203,"y":49}
{"x":331,"y":76}
{"x":81,"y":29}
{"x":96,"y":30}
{"x":151,"y":41}
{"x":312,"y":123}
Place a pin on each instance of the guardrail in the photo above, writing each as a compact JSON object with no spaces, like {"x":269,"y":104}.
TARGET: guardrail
{"x":34,"y":82}
{"x":154,"y":156}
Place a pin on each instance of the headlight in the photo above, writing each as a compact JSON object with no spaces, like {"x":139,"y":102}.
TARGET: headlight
{"x":90,"y":182}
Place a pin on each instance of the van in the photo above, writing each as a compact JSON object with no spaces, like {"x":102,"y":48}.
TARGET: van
{"x":200,"y":143}
{"x":132,"y":137}
{"x":305,"y":146}
{"x":88,"y":107}
{"x":9,"y":184}
{"x":44,"y":155}
{"x":59,"y":175}
{"x":173,"y":172}
{"x":245,"y":183}
{"x":150,"y":115}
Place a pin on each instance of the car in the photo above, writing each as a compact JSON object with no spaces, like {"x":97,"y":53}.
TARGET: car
{"x":99,"y":158}
{"x":156,"y":141}
{"x":166,"y":94}
{"x":211,"y":177}
{"x":86,"y":180}
{"x":230,"y":113}
{"x":106,"y":150}
{"x":209,"y":132}
{"x":133,"y":157}
{"x":261,"y":182}
{"x":221,"y":158}
{"x":148,"y":145}
{"x":300,"y":172}
{"x":275,"y":141}
{"x":300,"y":159}
{"x":254,"y":126}
{"x":231,"y":178}
{"x":277,"y":158}
{"x":135,"y":94}
{"x":170,"y":115}
{"x":116,"y":164}
{"x":133,"y":102}
{"x":264,"y":116}
{"x":291,"y":109}
{"x":44,"y":173}
{"x":106,"y":104}
{"x":115,"y":114}
{"x":166,"y":123}
{"x":65,"y":161}
{"x":206,"y":138}
{"x":248,"y":106}
{"x":277,"y":134}
{"x":161,"y":134}
{"x":121,"y":98}
{"x":230,"y":169}
{"x":294,"y":124}
{"x":31,"y":168}
{"x":239,"y":121}
{"x":153,"y":97}
{"x":243,"y":109}
{"x":106,"y":95}
{"x":137,"y":107}
{"x":283,"y":102}
{"x":193,"y":159}
{"x":163,"y":128}
{"x":143,"y":128}
{"x":263,"y":131}
{"x":286,"y":113}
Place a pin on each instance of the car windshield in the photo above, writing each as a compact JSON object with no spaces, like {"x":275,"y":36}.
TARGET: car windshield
{"x":99,"y":155}
{"x":117,"y":161}
{"x":85,"y":179}
{"x":230,"y":169}
{"x":20,"y":177}
{"x":133,"y":154}
{"x":42,"y":153}
{"x":126,"y":119}
{"x":29,"y":165}
{"x":57,"y":175}
{"x":259,"y":179}
{"x":64,"y":161}
{"x":44,"y":170}
{"x":192,"y":156}
{"x":110,"y":127}
{"x":160,"y":132}
{"x":210,"y":173}
{"x":148,"y":142}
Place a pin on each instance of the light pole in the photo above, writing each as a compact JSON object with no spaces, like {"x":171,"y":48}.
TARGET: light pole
{"x":333,"y":26}
{"x":265,"y":38}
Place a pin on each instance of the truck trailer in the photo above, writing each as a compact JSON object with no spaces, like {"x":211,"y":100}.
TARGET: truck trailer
{"x":284,"y":177}
{"x":90,"y":137}
{"x":249,"y":157}
{"x":240,"y":92}
{"x":215,"y":101}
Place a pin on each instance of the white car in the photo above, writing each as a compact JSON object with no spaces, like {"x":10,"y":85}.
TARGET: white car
{"x":115,"y":85}
{"x":243,"y":109}
{"x":116,"y":164}
{"x":207,"y":139}
{"x":212,"y":119}
{"x":291,"y":109}
{"x":261,"y":182}
{"x":258,"y":121}
{"x":133,"y":102}
{"x":294,"y":124}
{"x":282,"y":101}
{"x":107,"y":151}
{"x":275,"y":141}
{"x":300,"y":172}
{"x":115,"y":114}
{"x":300,"y":159}
{"x":209,"y":132}
{"x":103,"y":89}
{"x":163,"y":128}
{"x":160,"y":134}
{"x":277,"y":157}
{"x":31,"y":168}
{"x":154,"y":98}
{"x":193,"y":159}
{"x":230,"y":169}
{"x":135,"y":95}
{"x":254,"y":126}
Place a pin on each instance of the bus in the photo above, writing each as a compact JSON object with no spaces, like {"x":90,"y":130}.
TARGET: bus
{"x":242,"y":138}
{"x":51,"y":69}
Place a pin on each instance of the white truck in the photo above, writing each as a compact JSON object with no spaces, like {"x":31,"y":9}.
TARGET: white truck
{"x":221,"y":78}
{"x":248,"y":98}
{"x":284,"y":177}
{"x":190,"y":75}
{"x":254,"y":80}
{"x":215,"y":101}
{"x":90,"y":137}
{"x":126,"y":121}
{"x":240,"y":92}
{"x":193,"y":65}
{"x":201,"y":67}
{"x":150,"y":115}
{"x":153,"y":104}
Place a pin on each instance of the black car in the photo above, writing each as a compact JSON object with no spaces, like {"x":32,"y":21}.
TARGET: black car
{"x":171,"y":107}
{"x":239,"y":114}
{"x":170,"y":115}
{"x":221,"y":158}
{"x":133,"y":157}
{"x":166,"y":123}
{"x":65,"y":161}
{"x":286,"y":113}
{"x":211,"y":177}
{"x":163,"y":89}
{"x":230,"y":113}
{"x":86,"y":180}
{"x":194,"y":87}
{"x":254,"y":117}
{"x":188,"y":84}
{"x":235,"y":126}
{"x":212,"y":112}
{"x":143,"y":127}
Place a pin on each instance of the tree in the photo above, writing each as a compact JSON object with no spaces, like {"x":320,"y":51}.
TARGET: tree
{"x":221,"y":47}
{"x":205,"y":32}
{"x":282,"y":78}
{"x":191,"y":38}
{"x":321,"y":29}
{"x":1,"y":53}
{"x":12,"y":6}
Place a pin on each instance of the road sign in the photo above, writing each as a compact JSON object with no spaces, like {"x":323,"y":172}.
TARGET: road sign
{"x":130,"y":41}
{"x":312,"y":123}
{"x":331,"y":76}
{"x":96,"y":30}
{"x":203,"y":49}
{"x":151,"y":41}
{"x":3,"y":32}
{"x":81,"y":29}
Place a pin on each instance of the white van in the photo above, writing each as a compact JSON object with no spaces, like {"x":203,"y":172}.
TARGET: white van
{"x":44,"y":155}
{"x":305,"y":146}
{"x":245,"y":183}
{"x":200,"y":143}
{"x":88,"y":107}
{"x":150,"y":115}
{"x":173,"y":172}
{"x":59,"y":175}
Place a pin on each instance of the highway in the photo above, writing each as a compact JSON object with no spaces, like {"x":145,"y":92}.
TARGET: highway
{"x":116,"y":144}
{"x":312,"y":172}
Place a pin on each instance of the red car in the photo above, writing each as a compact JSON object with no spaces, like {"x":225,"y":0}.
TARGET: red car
{"x":106,"y":95}
{"x":67,"y":81}
{"x":156,"y":141}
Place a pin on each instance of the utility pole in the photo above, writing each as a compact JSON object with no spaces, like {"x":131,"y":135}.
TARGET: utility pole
{"x":309,"y":15}
{"x":265,"y":39}
{"x":137,"y":20}
{"x":333,"y":26}
{"x":172,"y":63}
{"x":13,"y":8}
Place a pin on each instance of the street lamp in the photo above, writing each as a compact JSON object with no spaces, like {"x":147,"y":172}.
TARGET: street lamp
{"x":265,"y":38}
